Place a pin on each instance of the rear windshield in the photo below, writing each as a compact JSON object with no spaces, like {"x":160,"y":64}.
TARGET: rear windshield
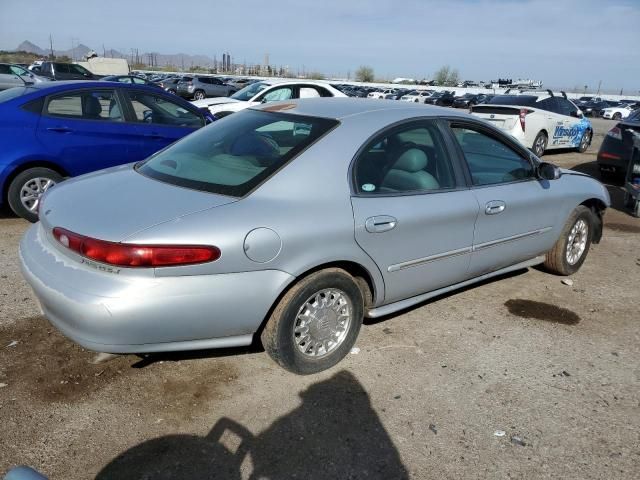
{"x":526,"y":100}
{"x":235,"y":154}
{"x":14,"y":92}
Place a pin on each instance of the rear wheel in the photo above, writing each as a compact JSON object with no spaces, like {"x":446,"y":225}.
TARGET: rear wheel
{"x":585,"y":141}
{"x":540,"y":144}
{"x":316,"y":323}
{"x":27,"y":188}
{"x":571,"y":249}
{"x":199,"y":95}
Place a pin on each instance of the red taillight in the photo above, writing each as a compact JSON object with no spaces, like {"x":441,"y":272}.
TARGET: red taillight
{"x":127,"y":255}
{"x":615,"y":132}
{"x":523,"y":117}
{"x":609,"y":156}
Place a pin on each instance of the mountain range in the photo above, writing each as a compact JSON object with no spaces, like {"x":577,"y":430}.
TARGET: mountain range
{"x":160,"y":59}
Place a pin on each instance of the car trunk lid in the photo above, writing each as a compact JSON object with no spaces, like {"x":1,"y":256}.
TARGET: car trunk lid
{"x":116,"y":203}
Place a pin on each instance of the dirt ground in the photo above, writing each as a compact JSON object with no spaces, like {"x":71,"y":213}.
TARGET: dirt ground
{"x":519,"y":377}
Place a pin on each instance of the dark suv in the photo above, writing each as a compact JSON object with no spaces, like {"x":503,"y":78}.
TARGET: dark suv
{"x":65,"y":71}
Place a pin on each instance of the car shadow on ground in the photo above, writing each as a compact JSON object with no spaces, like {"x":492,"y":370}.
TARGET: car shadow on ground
{"x":334,"y":433}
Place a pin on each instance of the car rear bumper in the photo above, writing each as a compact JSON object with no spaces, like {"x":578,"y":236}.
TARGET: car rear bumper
{"x":117,"y":313}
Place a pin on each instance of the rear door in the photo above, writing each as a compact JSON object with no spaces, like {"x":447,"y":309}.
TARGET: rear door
{"x":518,"y":211}
{"x":158,"y":119}
{"x":413,"y":215}
{"x":85,"y":129}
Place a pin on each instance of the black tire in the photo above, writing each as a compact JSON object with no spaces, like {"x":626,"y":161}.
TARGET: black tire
{"x":556,"y":260}
{"x":278,"y":334}
{"x":540,"y":144}
{"x":616,"y":116}
{"x":585,"y":141}
{"x":199,"y":95}
{"x":21,"y":180}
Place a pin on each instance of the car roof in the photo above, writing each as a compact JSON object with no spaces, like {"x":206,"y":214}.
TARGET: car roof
{"x":62,"y":85}
{"x":342,"y":107}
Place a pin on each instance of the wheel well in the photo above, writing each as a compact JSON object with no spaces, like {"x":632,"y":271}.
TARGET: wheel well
{"x":598,"y":207}
{"x":27,"y":166}
{"x":357,"y":271}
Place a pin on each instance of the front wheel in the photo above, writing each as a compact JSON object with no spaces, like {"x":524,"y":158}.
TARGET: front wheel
{"x":617,"y":116}
{"x":316,"y":323}
{"x":585,"y":141}
{"x":540,"y":144}
{"x":27,"y":188}
{"x":571,"y":249}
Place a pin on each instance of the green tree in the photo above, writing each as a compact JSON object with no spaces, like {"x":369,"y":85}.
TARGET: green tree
{"x":365,"y":74}
{"x":63,"y":59}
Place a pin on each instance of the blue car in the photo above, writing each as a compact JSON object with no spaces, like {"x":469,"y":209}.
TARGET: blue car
{"x":51,"y":131}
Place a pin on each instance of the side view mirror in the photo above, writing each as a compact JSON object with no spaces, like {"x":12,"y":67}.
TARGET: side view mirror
{"x":548,"y":171}
{"x":577,"y":114}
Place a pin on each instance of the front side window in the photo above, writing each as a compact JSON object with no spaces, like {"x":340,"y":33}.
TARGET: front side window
{"x":234,"y":155}
{"x":406,"y":160}
{"x":308,"y":92}
{"x":250,"y":91}
{"x":78,"y":69}
{"x":158,"y":110}
{"x":277,"y":94}
{"x":86,"y":105}
{"x":489,"y":160}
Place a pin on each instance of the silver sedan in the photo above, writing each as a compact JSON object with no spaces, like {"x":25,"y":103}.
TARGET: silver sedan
{"x":290,"y":222}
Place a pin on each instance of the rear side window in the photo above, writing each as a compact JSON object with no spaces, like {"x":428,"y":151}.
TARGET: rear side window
{"x":158,"y":110}
{"x":86,"y":105}
{"x":489,"y":160}
{"x":408,"y":159}
{"x":234,"y":155}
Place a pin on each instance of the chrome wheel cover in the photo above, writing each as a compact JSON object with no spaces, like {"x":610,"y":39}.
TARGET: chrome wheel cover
{"x":540,"y":145}
{"x":322,"y":322}
{"x":577,"y":242}
{"x":585,"y":140}
{"x":31,"y":192}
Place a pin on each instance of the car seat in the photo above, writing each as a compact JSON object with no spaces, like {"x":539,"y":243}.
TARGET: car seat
{"x":408,"y":173}
{"x":92,"y":107}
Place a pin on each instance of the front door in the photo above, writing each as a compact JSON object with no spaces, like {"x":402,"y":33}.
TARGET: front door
{"x":159,"y":120}
{"x":413,"y":215}
{"x":517,"y":210}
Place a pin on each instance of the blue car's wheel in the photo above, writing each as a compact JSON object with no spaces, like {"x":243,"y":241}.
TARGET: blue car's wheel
{"x":316,"y":323}
{"x":27,"y":188}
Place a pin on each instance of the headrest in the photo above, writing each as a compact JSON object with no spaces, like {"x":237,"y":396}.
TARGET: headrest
{"x":92,"y":107}
{"x":412,"y":160}
{"x":253,"y":144}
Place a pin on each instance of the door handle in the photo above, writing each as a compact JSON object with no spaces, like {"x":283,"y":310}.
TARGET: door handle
{"x":60,"y":129}
{"x":380,"y":223}
{"x":495,"y":206}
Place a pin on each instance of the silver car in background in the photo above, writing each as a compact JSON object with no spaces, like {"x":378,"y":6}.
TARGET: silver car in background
{"x":292,"y":221}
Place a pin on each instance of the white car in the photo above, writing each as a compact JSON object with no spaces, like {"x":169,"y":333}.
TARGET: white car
{"x":540,"y":121}
{"x":381,"y":94}
{"x":418,"y":96}
{"x":618,"y":113}
{"x":266,"y":91}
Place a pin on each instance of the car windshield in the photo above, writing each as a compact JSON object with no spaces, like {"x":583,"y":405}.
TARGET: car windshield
{"x":250,"y":91}
{"x":234,"y":155}
{"x":14,"y":92}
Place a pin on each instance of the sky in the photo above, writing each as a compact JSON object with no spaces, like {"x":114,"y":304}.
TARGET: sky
{"x":565,"y":43}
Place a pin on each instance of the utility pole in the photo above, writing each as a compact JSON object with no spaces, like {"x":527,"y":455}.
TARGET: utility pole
{"x":599,"y":85}
{"x":51,"y":45}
